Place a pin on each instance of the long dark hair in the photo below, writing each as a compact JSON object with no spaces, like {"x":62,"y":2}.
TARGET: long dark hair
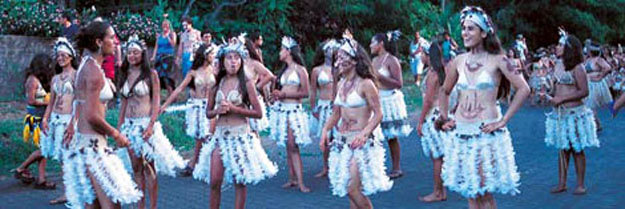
{"x":573,"y":54}
{"x":87,"y":35}
{"x":390,"y":45}
{"x":436,"y":61}
{"x":240,"y":75}
{"x":40,"y":68}
{"x":492,"y":45}
{"x":593,"y":52}
{"x":296,"y":54}
{"x":144,"y":75}
{"x":198,"y":61}
{"x":320,"y":56}
{"x":364,"y":68}
{"x":251,"y":50}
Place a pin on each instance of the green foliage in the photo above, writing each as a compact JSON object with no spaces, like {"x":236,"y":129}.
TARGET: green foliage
{"x":28,"y":18}
{"x":127,"y":24}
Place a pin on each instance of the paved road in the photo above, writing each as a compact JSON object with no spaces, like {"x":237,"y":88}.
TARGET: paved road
{"x":605,"y":177}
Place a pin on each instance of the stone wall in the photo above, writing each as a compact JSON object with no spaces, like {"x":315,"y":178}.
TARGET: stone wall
{"x":15,"y":55}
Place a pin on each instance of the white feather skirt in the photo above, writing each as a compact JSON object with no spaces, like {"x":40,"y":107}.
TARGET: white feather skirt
{"x":598,"y":94}
{"x":89,"y":152}
{"x":261,"y":124}
{"x":324,"y":108}
{"x":432,"y":139}
{"x":571,"y":128}
{"x":285,"y":116}
{"x":476,"y":162}
{"x":369,"y":159}
{"x":242,"y":155}
{"x":198,"y":125}
{"x":394,"y":115}
{"x":157,"y":149}
{"x":51,"y":144}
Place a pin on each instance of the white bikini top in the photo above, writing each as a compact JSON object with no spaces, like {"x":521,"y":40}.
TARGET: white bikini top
{"x":383,"y":71}
{"x":141,"y":89}
{"x":290,"y":80}
{"x":483,"y":81}
{"x":106,"y":93}
{"x":201,"y":81}
{"x":63,"y":87}
{"x":562,"y":76}
{"x":323,"y":78}
{"x":353,"y":100}
{"x":233,"y":97}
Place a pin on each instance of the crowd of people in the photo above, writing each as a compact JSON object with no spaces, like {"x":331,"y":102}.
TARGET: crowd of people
{"x":356,"y":98}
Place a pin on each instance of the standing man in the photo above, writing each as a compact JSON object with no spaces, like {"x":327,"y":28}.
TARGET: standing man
{"x":521,"y":47}
{"x":448,"y":45}
{"x":188,"y":38}
{"x":68,"y":29}
{"x":417,"y":46}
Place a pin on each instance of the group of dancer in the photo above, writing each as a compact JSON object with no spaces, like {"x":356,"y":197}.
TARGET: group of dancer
{"x":357,"y":101}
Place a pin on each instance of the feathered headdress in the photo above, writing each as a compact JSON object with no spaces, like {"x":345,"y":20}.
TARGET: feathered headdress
{"x":330,"y":46}
{"x":63,"y":45}
{"x":237,"y":46}
{"x":288,"y":42}
{"x":349,"y":46}
{"x":477,"y":16}
{"x":134,"y":42}
{"x":393,"y":35}
{"x":564,"y":37}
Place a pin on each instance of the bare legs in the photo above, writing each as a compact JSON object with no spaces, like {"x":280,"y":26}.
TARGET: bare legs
{"x":393,"y":145}
{"x":101,"y":201}
{"x":324,"y":171}
{"x":439,"y":193}
{"x":580,"y":170}
{"x":294,"y":160}
{"x":32,"y":158}
{"x":357,"y":200}
{"x":216,"y":179}
{"x":145,"y":174}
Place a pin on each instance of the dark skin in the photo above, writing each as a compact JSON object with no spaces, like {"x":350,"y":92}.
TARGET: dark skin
{"x":394,"y":81}
{"x":571,"y":96}
{"x":229,"y":115}
{"x":32,"y":84}
{"x":433,"y":89}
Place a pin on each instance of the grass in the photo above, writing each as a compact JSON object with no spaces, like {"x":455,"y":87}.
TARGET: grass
{"x":13,"y":150}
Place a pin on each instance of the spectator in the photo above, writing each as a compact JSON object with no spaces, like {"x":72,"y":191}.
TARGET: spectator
{"x":449,"y":45}
{"x":417,"y":47}
{"x":68,"y":29}
{"x":189,"y":37}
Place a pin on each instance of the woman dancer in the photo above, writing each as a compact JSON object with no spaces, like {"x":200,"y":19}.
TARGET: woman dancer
{"x":356,"y":162}
{"x":163,"y":56}
{"x":59,"y":111}
{"x":389,"y":75}
{"x":261,"y":76}
{"x":598,"y":91}
{"x":37,"y":81}
{"x":288,"y":121}
{"x":570,"y":127}
{"x":322,"y":79}
{"x":431,"y":138}
{"x":479,"y":158}
{"x":201,"y":79}
{"x":93,"y":175}
{"x":149,"y":147}
{"x":233,"y":151}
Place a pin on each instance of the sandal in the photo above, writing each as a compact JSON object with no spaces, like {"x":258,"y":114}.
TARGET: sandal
{"x":24,"y":176}
{"x":395,"y":174}
{"x":186,"y":172}
{"x":46,"y":185}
